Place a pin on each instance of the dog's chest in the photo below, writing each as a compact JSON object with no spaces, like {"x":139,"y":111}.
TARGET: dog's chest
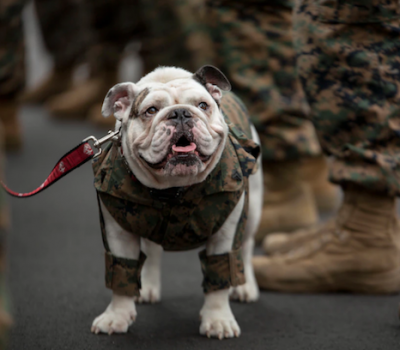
{"x":177,"y":222}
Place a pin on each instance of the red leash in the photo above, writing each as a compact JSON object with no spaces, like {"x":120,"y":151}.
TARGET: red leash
{"x":69,"y":162}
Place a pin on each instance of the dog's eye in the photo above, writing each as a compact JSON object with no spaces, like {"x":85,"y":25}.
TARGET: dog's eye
{"x":151,"y":111}
{"x":203,"y":106}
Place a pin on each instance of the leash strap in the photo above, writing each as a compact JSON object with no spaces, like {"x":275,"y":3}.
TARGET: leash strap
{"x":70,"y":161}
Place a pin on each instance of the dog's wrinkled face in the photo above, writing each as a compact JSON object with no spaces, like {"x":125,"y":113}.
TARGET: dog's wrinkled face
{"x":173,"y":132}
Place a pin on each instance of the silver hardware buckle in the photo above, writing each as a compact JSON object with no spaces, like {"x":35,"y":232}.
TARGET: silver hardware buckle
{"x":112,"y":135}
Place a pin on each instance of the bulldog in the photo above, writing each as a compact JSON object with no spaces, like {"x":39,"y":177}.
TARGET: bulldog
{"x":183,"y":174}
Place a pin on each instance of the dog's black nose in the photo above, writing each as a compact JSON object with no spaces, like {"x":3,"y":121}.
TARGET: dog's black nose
{"x":180,"y":114}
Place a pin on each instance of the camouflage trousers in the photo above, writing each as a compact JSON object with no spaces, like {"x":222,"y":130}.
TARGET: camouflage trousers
{"x":12,"y":72}
{"x":167,"y":29}
{"x":93,"y":30}
{"x":174,"y":34}
{"x":65,"y":30}
{"x":113,"y":25}
{"x":253,"y":46}
{"x":349,"y":61}
{"x":99,"y":31}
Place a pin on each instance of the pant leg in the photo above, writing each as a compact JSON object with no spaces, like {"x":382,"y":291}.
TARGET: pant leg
{"x":114,"y":24}
{"x":195,"y":31}
{"x":65,"y":30}
{"x":165,"y":42}
{"x":349,"y":65}
{"x":253,"y":42}
{"x":12,"y":65}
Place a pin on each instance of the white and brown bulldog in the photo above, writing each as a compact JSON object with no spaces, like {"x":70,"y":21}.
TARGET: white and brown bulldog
{"x":174,"y":135}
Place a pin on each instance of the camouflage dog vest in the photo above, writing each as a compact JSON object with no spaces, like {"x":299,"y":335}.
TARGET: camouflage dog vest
{"x":181,"y":218}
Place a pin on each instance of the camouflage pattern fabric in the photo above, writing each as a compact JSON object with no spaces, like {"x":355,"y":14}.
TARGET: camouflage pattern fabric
{"x":253,"y":46}
{"x":181,"y":218}
{"x":94,"y":30}
{"x":123,"y":275}
{"x":113,"y":25}
{"x":349,"y":60}
{"x":196,"y":35}
{"x":171,"y":32}
{"x":222,"y":271}
{"x":169,"y":27}
{"x":65,"y":30}
{"x":12,"y":67}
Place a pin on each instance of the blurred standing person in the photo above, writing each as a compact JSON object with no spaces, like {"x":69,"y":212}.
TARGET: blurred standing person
{"x":253,"y":46}
{"x":66,"y":35}
{"x":164,"y":28}
{"x":11,"y":82}
{"x":155,"y":24}
{"x":349,"y":61}
{"x":110,"y":26}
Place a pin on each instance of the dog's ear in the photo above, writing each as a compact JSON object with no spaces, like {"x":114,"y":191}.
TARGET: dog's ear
{"x":213,"y":80}
{"x":118,"y":100}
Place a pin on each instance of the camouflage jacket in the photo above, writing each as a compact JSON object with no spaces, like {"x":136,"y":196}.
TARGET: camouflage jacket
{"x":182,"y":218}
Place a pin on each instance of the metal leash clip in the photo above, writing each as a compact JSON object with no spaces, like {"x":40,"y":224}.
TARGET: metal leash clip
{"x":112,"y":135}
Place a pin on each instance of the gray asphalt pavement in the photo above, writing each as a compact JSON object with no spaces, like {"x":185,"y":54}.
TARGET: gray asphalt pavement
{"x":57,"y":285}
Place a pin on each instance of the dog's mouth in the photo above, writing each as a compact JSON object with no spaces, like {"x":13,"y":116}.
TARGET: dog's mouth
{"x":182,"y":150}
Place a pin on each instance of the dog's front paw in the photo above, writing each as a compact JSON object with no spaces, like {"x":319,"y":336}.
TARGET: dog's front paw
{"x":247,"y":292}
{"x":114,"y":321}
{"x":218,"y":324}
{"x":150,"y":293}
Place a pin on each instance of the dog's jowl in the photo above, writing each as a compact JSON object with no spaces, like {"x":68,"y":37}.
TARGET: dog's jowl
{"x":184,"y":174}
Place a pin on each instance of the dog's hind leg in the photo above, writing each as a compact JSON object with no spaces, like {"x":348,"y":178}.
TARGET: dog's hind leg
{"x":151,"y":273}
{"x":121,"y":312}
{"x":249,"y":291}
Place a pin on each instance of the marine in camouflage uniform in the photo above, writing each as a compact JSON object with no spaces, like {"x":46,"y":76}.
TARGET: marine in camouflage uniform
{"x":348,"y":60}
{"x":253,"y":47}
{"x":181,"y":218}
{"x":161,"y":26}
{"x":107,"y":29}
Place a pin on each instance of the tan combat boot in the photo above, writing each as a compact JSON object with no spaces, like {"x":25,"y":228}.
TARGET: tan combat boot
{"x":57,"y":82}
{"x":96,"y":118}
{"x":288,"y":201}
{"x":76,"y":102}
{"x":314,"y":171}
{"x":11,"y":128}
{"x":358,"y":251}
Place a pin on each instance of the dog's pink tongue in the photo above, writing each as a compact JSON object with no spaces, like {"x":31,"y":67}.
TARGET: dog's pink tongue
{"x":185,"y":149}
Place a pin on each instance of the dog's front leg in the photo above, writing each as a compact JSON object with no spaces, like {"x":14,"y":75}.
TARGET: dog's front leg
{"x":121,"y":312}
{"x":217,"y":319}
{"x":151,"y":273}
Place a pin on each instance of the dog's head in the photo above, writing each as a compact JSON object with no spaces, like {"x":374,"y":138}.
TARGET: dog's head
{"x":173,"y":132}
